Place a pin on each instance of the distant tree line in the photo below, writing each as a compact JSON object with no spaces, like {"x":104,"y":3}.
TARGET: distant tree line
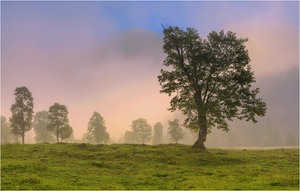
{"x":53,"y":125}
{"x":47,"y":125}
{"x":141,"y":132}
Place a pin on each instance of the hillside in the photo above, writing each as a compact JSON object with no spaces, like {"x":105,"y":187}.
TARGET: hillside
{"x":100,"y":167}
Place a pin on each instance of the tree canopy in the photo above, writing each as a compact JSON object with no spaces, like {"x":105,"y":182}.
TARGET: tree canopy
{"x":210,"y":79}
{"x":22,"y":111}
{"x":59,"y":122}
{"x":142,"y":131}
{"x":97,"y":129}
{"x":175,"y":131}
{"x":6,"y":134}
{"x":40,"y":123}
{"x":158,"y":133}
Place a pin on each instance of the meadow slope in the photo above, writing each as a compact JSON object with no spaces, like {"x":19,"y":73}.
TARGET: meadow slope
{"x":161,"y":167}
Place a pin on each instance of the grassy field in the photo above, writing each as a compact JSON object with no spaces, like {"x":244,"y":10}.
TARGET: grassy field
{"x":125,"y":167}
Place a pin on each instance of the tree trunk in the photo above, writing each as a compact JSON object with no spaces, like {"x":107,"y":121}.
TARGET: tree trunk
{"x":57,"y":133}
{"x":202,"y":120}
{"x":23,"y":138}
{"x":199,"y":144}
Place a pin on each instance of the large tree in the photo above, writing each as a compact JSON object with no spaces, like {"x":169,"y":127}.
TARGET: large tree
{"x":59,"y":122}
{"x":22,"y":111}
{"x":158,"y":133}
{"x":211,"y":80}
{"x":40,"y":123}
{"x":97,"y":129}
{"x":142,"y":131}
{"x":175,"y":131}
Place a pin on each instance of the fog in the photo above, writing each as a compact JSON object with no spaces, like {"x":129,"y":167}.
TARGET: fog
{"x":115,"y":73}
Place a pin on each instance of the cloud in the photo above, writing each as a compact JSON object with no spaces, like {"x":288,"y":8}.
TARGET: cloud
{"x":273,"y":46}
{"x":76,"y":55}
{"x":273,"y":39}
{"x":116,"y":76}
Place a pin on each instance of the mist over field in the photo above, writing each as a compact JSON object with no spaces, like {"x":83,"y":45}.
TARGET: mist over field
{"x":96,"y":67}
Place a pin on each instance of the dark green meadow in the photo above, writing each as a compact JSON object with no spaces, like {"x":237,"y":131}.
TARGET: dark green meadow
{"x":162,"y":167}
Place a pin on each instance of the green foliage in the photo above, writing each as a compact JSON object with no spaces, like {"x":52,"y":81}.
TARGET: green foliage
{"x":142,"y":131}
{"x":59,"y":123}
{"x":175,"y":131}
{"x":6,"y":134}
{"x":40,"y":123}
{"x":22,"y":111}
{"x":142,"y":167}
{"x":67,"y":134}
{"x":97,"y":130}
{"x":210,"y":79}
{"x":158,"y":133}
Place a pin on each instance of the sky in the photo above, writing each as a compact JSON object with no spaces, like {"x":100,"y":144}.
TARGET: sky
{"x":106,"y":56}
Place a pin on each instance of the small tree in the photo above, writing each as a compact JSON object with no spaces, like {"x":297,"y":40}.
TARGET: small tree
{"x":142,"y":131}
{"x":121,"y":139}
{"x":97,"y":129}
{"x":129,"y":137}
{"x":158,"y":133}
{"x":175,"y":131}
{"x":86,"y":138}
{"x":59,"y":123}
{"x":40,"y":123}
{"x":68,"y":135}
{"x":22,"y":111}
{"x":5,"y":131}
{"x":6,"y":134}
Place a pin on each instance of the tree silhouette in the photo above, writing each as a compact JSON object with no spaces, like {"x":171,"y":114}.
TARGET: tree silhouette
{"x":175,"y":131}
{"x":158,"y":133}
{"x":22,"y":111}
{"x":210,"y":80}
{"x":59,"y":122}
{"x":142,"y":131}
{"x":97,"y":129}
{"x":40,"y":123}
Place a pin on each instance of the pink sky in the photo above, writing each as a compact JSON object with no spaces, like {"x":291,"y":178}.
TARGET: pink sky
{"x":83,"y":62}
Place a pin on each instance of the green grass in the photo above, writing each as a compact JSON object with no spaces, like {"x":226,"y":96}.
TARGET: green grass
{"x":162,"y":167}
